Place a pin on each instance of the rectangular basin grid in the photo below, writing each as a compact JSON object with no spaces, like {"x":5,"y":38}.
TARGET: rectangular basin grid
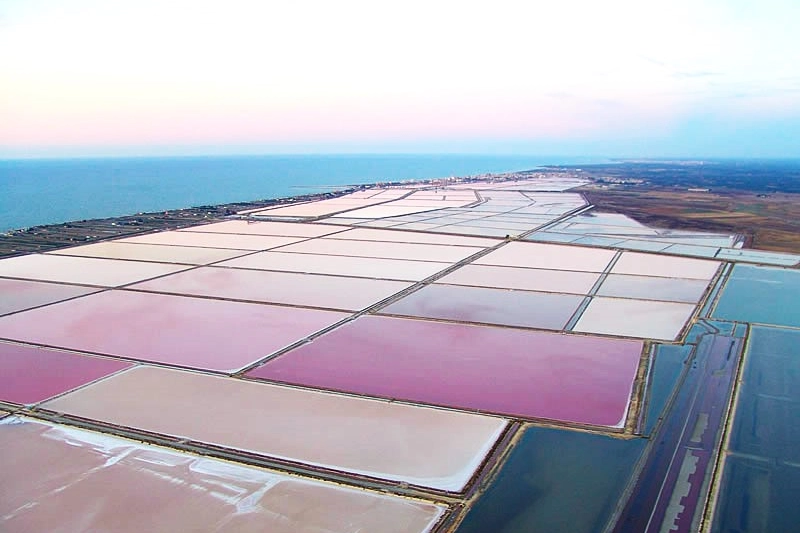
{"x":396,"y":442}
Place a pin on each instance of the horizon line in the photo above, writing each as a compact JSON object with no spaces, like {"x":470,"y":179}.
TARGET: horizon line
{"x":612,"y":158}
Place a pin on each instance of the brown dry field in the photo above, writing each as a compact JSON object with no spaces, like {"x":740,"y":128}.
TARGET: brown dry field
{"x":770,"y":223}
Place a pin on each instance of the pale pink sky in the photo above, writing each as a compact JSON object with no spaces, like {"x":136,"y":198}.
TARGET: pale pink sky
{"x":81,"y":77}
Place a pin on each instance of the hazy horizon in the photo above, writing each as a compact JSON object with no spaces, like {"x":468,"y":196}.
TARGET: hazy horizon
{"x":621,"y":79}
{"x":589,"y":159}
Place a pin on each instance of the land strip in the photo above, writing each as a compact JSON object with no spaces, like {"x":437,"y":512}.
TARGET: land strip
{"x":769,"y":222}
{"x":54,"y":236}
{"x":758,"y":199}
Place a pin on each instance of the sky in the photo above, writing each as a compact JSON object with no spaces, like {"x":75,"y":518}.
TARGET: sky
{"x":622,"y":78}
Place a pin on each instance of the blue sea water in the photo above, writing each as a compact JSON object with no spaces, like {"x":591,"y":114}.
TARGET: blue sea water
{"x":48,"y":191}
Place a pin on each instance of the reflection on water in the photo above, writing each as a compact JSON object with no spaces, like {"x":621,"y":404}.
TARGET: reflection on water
{"x":758,"y":496}
{"x":761,"y":295}
{"x":761,"y":481}
{"x":668,"y":362}
{"x":556,"y":480}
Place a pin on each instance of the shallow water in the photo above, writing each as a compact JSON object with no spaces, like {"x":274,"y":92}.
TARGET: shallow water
{"x":556,"y":480}
{"x":761,"y":478}
{"x":668,"y":362}
{"x":761,"y":295}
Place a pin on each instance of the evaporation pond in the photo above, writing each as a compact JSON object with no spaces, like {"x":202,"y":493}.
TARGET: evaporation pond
{"x":665,"y":266}
{"x":29,"y":374}
{"x":549,"y":256}
{"x":757,"y":496}
{"x":232,"y":241}
{"x":556,"y":480}
{"x":19,"y":295}
{"x":762,"y":295}
{"x":422,"y":446}
{"x":531,"y":374}
{"x":665,"y":371}
{"x":384,"y":249}
{"x":761,"y":479}
{"x":635,"y":318}
{"x":653,"y":288}
{"x":505,"y":307}
{"x":531,"y":279}
{"x":253,"y":227}
{"x":366,"y":234}
{"x":82,"y":270}
{"x":336,"y":292}
{"x":59,"y":478}
{"x":194,"y":332}
{"x":343,"y":265}
{"x":767,"y":421}
{"x":152,"y":252}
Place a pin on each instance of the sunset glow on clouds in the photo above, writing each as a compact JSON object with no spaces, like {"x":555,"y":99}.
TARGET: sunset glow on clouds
{"x":620,"y":77}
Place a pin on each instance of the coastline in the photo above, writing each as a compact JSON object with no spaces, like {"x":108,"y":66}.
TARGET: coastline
{"x":658,"y":195}
{"x":49,"y":237}
{"x":53,"y":191}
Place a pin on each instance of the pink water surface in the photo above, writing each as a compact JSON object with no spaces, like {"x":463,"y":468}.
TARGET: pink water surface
{"x":29,"y":374}
{"x":529,"y":374}
{"x":194,"y":332}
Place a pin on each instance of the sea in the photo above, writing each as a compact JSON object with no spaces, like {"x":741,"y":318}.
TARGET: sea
{"x":36,"y":192}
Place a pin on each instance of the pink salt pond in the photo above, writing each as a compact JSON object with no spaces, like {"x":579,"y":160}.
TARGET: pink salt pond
{"x":520,"y":373}
{"x":529,"y":279}
{"x":18,"y":294}
{"x":159,"y":253}
{"x":549,"y":256}
{"x":193,"y":332}
{"x":232,"y":241}
{"x":82,"y":270}
{"x":57,"y":478}
{"x":291,"y":288}
{"x":29,"y":374}
{"x":666,"y":266}
{"x":251,"y":227}
{"x":635,"y":318}
{"x":339,"y":265}
{"x":489,"y":306}
{"x":383,"y":249}
{"x":385,"y":440}
{"x":372,"y":234}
